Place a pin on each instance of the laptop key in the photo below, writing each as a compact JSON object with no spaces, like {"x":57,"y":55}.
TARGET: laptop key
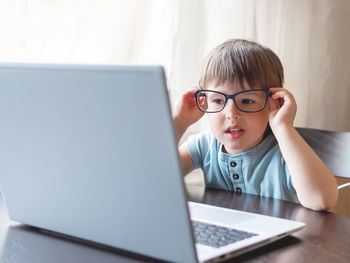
{"x":217,"y":236}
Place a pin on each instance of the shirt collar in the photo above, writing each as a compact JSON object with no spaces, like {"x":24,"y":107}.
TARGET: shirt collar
{"x":261,"y":149}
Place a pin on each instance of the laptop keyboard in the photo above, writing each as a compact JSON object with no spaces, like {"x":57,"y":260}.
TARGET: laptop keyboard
{"x":217,"y":236}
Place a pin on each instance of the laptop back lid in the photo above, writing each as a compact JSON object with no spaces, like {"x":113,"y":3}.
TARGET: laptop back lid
{"x":90,"y":151}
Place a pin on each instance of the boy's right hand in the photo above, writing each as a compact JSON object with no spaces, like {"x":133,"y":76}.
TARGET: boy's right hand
{"x":186,"y":111}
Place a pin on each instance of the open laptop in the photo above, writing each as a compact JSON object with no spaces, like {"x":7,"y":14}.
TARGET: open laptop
{"x":89,"y":151}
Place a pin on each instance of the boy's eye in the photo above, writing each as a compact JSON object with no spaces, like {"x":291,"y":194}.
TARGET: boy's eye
{"x":219,"y":101}
{"x":247,"y":101}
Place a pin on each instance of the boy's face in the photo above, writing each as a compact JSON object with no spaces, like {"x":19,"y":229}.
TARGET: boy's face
{"x":237,"y":131}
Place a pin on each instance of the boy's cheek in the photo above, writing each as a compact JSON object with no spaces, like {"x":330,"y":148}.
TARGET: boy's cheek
{"x":214,"y":123}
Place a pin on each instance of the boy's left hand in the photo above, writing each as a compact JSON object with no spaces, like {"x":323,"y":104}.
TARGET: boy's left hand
{"x":282,"y":108}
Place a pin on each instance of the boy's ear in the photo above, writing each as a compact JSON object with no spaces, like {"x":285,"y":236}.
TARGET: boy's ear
{"x":273,"y":104}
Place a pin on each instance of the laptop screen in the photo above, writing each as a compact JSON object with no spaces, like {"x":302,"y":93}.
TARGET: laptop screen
{"x":89,"y":151}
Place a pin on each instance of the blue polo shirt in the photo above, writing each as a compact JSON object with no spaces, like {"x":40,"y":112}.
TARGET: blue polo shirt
{"x":259,"y":171}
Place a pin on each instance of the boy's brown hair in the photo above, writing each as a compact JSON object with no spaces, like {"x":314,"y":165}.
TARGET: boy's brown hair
{"x":242,"y":60}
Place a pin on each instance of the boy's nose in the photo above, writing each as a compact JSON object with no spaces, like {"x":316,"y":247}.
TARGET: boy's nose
{"x":231,"y":110}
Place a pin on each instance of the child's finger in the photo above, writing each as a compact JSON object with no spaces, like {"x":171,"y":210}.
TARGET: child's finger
{"x":194,"y":88}
{"x":275,"y":89}
{"x":281,"y":95}
{"x":284,"y":98}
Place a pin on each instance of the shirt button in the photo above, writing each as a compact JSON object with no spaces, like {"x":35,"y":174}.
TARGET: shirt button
{"x":238,"y":190}
{"x":236,"y":176}
{"x":233,"y":164}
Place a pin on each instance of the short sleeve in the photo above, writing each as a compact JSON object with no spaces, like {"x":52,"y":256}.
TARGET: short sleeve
{"x":198,"y":148}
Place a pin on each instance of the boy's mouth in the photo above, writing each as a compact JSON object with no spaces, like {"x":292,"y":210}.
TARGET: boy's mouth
{"x":234,"y":131}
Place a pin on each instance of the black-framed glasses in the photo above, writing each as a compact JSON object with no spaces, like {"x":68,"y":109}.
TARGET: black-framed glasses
{"x":211,"y":101}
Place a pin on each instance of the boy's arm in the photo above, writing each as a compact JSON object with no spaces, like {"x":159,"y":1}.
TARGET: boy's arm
{"x":186,"y":160}
{"x":314,"y":183}
{"x":185,"y":114}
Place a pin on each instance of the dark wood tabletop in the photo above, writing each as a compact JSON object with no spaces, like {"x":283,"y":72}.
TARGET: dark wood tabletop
{"x":325,"y":238}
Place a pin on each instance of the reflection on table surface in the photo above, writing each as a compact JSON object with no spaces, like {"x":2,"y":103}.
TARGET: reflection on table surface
{"x":325,"y":238}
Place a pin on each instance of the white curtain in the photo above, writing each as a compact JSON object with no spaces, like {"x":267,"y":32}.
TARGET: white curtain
{"x":87,"y":31}
{"x":310,"y":36}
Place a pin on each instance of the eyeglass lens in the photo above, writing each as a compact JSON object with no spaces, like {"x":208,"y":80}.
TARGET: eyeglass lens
{"x":250,"y":101}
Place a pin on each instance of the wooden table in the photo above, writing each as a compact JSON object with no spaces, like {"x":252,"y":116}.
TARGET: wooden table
{"x":326,"y":238}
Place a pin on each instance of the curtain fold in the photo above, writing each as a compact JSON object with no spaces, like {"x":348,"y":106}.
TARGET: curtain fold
{"x":310,"y":37}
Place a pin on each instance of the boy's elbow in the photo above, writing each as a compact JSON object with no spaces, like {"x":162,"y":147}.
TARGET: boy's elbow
{"x":324,"y":205}
{"x":321,"y":202}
